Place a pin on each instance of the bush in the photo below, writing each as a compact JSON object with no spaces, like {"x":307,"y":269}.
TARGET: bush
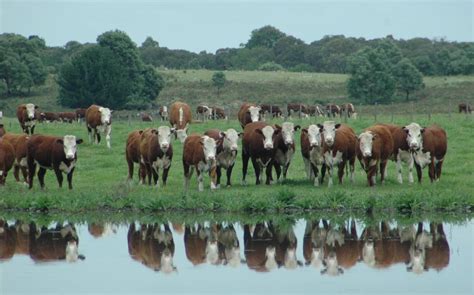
{"x":271,"y":67}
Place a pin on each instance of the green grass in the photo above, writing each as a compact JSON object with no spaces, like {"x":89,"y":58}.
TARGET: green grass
{"x":100,"y":179}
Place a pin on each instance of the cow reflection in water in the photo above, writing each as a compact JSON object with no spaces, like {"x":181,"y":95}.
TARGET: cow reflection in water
{"x":214,"y":244}
{"x":7,"y":240}
{"x":268,"y":247}
{"x":98,"y":230}
{"x":153,"y":246}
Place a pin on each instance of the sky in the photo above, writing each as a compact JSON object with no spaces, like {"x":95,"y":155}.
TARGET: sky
{"x":211,"y":24}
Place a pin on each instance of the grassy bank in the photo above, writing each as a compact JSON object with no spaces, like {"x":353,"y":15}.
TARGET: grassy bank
{"x":100,"y":179}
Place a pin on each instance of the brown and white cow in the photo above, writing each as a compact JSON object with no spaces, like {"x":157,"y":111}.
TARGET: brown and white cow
{"x":259,"y":145}
{"x":201,"y":244}
{"x":180,"y":117}
{"x":199,"y":152}
{"x":332,"y":110}
{"x":374,"y":148}
{"x":428,"y":147}
{"x":339,"y":145}
{"x":19,"y":143}
{"x":312,"y":151}
{"x":314,"y":110}
{"x":7,"y":158}
{"x":99,"y":120}
{"x":49,"y":117}
{"x":146,"y":117}
{"x":67,"y":117}
{"x":249,"y":113}
{"x":204,"y":112}
{"x":297,"y":108}
{"x":163,"y":112}
{"x":80,"y":114}
{"x":464,"y":108}
{"x":54,"y":153}
{"x":156,"y":152}
{"x":285,"y":148}
{"x":260,"y":248}
{"x":226,"y":151}
{"x":27,"y":116}
{"x":217,"y":113}
{"x":132,"y":155}
{"x":273,"y":110}
{"x":348,"y":109}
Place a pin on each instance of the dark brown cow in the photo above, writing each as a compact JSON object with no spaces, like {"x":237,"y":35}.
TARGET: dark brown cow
{"x":2,"y":130}
{"x":19,"y":143}
{"x":428,"y":147}
{"x":49,"y":117}
{"x":217,"y":113}
{"x":27,"y":116}
{"x":7,"y":240}
{"x":80,"y":114}
{"x":285,"y":148}
{"x":339,"y":145}
{"x":312,"y":151}
{"x":348,"y":109}
{"x":437,"y":256}
{"x":147,"y":117}
{"x":314,"y":110}
{"x":332,"y":110}
{"x":298,"y":108}
{"x":132,"y":155}
{"x":50,"y":152}
{"x":67,"y":117}
{"x":163,"y":112}
{"x":274,"y":110}
{"x":374,"y":148}
{"x":180,"y":117}
{"x":259,"y":145}
{"x":464,"y":108}
{"x":7,"y":158}
{"x":249,"y":113}
{"x":99,"y":119}
{"x":260,"y":248}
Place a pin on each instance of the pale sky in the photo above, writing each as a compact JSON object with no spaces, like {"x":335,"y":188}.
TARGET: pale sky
{"x":211,"y":24}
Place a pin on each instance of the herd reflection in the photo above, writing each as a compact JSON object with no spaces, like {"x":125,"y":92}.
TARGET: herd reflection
{"x":331,"y":248}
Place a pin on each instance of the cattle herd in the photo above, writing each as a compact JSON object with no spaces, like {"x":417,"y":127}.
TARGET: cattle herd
{"x":333,"y":248}
{"x":324,"y":147}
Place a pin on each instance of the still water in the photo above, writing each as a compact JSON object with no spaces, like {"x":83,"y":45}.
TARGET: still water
{"x":294,"y":256}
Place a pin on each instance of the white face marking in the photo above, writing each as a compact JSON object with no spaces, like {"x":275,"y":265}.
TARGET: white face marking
{"x":105,"y":114}
{"x":288,"y":132}
{"x":209,"y":148}
{"x":254,"y":113}
{"x":230,"y":140}
{"x":71,"y":251}
{"x":329,"y":132}
{"x":268,"y":137}
{"x":182,"y":134}
{"x":164,"y":137}
{"x":70,"y":146}
{"x":30,"y":110}
{"x":314,"y":136}
{"x":365,"y":143}
{"x":414,"y":136}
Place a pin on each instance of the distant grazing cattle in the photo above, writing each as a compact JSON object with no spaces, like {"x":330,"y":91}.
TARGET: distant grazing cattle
{"x":67,"y":117}
{"x":27,"y":116}
{"x":199,"y":153}
{"x":226,"y":151}
{"x":217,"y":113}
{"x":99,"y":120}
{"x":163,"y":112}
{"x":157,"y":152}
{"x":374,"y":148}
{"x":132,"y":155}
{"x":49,"y":117}
{"x":273,"y":110}
{"x":315,"y":110}
{"x":7,"y":240}
{"x":180,"y":117}
{"x":50,"y":152}
{"x":347,"y":108}
{"x":338,"y":148}
{"x":464,"y":108}
{"x":428,"y":147}
{"x":19,"y":143}
{"x":259,"y":145}
{"x":312,"y":152}
{"x":146,"y":117}
{"x":7,"y":158}
{"x":203,"y":112}
{"x":332,"y":110}
{"x":2,"y":130}
{"x":284,"y":148}
{"x":249,"y":113}
{"x":297,"y":108}
{"x":80,"y":114}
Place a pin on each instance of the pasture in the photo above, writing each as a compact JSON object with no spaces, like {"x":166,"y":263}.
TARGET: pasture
{"x":100,"y":178}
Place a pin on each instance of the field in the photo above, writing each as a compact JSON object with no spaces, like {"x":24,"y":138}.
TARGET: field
{"x":100,"y":179}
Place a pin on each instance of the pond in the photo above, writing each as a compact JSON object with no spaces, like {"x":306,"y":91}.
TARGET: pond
{"x":283,"y":256}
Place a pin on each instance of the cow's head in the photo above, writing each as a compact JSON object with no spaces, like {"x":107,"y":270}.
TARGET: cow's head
{"x":288,"y":132}
{"x":414,"y":136}
{"x":365,"y":143}
{"x":105,"y":115}
{"x":30,"y":110}
{"x":181,"y":134}
{"x":69,"y":143}
{"x":314,"y":135}
{"x":268,"y":133}
{"x":164,"y":136}
{"x":328,"y":130}
{"x":254,"y":113}
{"x":230,"y":139}
{"x":208,"y":147}
{"x":331,"y":264}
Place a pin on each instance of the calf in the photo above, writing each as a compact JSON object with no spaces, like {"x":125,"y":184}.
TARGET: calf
{"x":27,"y":116}
{"x":163,"y":112}
{"x":204,"y":112}
{"x":428,"y":147}
{"x":80,"y":114}
{"x":249,"y":113}
{"x":332,"y":110}
{"x":7,"y":158}
{"x":226,"y":151}
{"x":298,"y":108}
{"x":157,"y":152}
{"x":19,"y":143}
{"x":199,"y":152}
{"x":49,"y":117}
{"x":49,"y":152}
{"x":312,"y":152}
{"x":285,"y":148}
{"x":338,"y":148}
{"x":375,"y":148}
{"x":67,"y":117}
{"x":99,"y":120}
{"x":180,"y":118}
{"x":259,"y":144}
{"x":132,"y":155}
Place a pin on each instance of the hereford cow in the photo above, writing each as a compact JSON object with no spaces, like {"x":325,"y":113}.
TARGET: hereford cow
{"x":201,"y":244}
{"x":203,"y":112}
{"x":7,"y":158}
{"x":428,"y":147}
{"x":49,"y":117}
{"x":284,"y":148}
{"x":332,"y":110}
{"x":80,"y":114}
{"x":147,"y":117}
{"x":226,"y":151}
{"x":7,"y":240}
{"x":99,"y":120}
{"x":259,"y":144}
{"x":163,"y":112}
{"x":157,"y":152}
{"x":274,"y":110}
{"x":67,"y":117}
{"x":132,"y":155}
{"x":260,"y":248}
{"x":217,"y":113}
{"x":19,"y":143}
{"x":348,"y":109}
{"x":312,"y":152}
{"x":50,"y":152}
{"x":297,"y":108}
{"x":27,"y":116}
{"x":464,"y":108}
{"x":249,"y":113}
{"x":180,"y":118}
{"x":199,"y":152}
{"x":339,"y":146}
{"x":315,"y":110}
{"x":374,"y":148}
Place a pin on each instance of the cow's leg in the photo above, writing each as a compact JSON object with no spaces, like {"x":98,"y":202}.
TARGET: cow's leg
{"x":218,"y":176}
{"x":229,"y":174}
{"x":165,"y":174}
{"x":323,"y":173}
{"x":108,"y":130}
{"x":285,"y":170}
{"x":256,"y":168}
{"x":314,"y":172}
{"x":89,"y":133}
{"x":269,"y":174}
{"x":188,"y":172}
{"x":439,"y":166}
{"x":155,"y":171}
{"x":31,"y":171}
{"x":69,"y":178}
{"x":24,"y":172}
{"x":142,"y":173}
{"x":59,"y":176}
{"x":399,"y":169}
{"x":213,"y":175}
{"x":97,"y":136}
{"x":16,"y":172}
{"x":307,"y":168}
{"x":330,"y":171}
{"x":383,"y":170}
{"x":33,"y":129}
{"x":245,"y":164}
{"x":419,"y":172}
{"x":340,"y":171}
{"x":352,"y":168}
{"x":277,"y":170}
{"x":130,"y":169}
{"x":431,"y":171}
{"x":200,"y":179}
{"x":411,"y":162}
{"x":371,"y":175}
{"x":148,"y":172}
{"x":41,"y":173}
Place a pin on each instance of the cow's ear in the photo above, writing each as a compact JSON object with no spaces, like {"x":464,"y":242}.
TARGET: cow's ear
{"x":422,"y":130}
{"x":154,"y":131}
{"x":404,"y":128}
{"x":374,"y":136}
{"x":221,"y":134}
{"x":321,"y":127}
{"x":173,"y":130}
{"x":276,"y":131}
{"x":337,"y":125}
{"x":277,"y":126}
{"x":259,"y":131}
{"x":304,"y":130}
{"x":1,"y":125}
{"x":111,"y":111}
{"x":79,"y":141}
{"x":297,"y":127}
{"x":36,"y":107}
{"x":60,"y":141}
{"x":140,"y":132}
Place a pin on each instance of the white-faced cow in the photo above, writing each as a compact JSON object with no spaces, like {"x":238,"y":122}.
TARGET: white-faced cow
{"x":180,"y":118}
{"x":99,"y":120}
{"x":50,"y":152}
{"x":204,"y":112}
{"x":285,"y":148}
{"x":27,"y":116}
{"x":249,"y":113}
{"x":163,"y":112}
{"x":312,"y":151}
{"x":428,"y":147}
{"x":226,"y":151}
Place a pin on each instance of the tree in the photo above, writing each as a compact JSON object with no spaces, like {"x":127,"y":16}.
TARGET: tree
{"x":266,"y":36}
{"x":218,"y":80}
{"x":407,"y":77}
{"x":149,"y":42}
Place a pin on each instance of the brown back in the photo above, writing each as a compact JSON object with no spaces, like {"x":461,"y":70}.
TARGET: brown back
{"x":399,"y":137}
{"x":93,"y":116}
{"x":435,"y":141}
{"x":345,"y":142}
{"x":19,"y":143}
{"x":243,"y":115}
{"x":192,"y":150}
{"x":132,"y":148}
{"x":174,"y":115}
